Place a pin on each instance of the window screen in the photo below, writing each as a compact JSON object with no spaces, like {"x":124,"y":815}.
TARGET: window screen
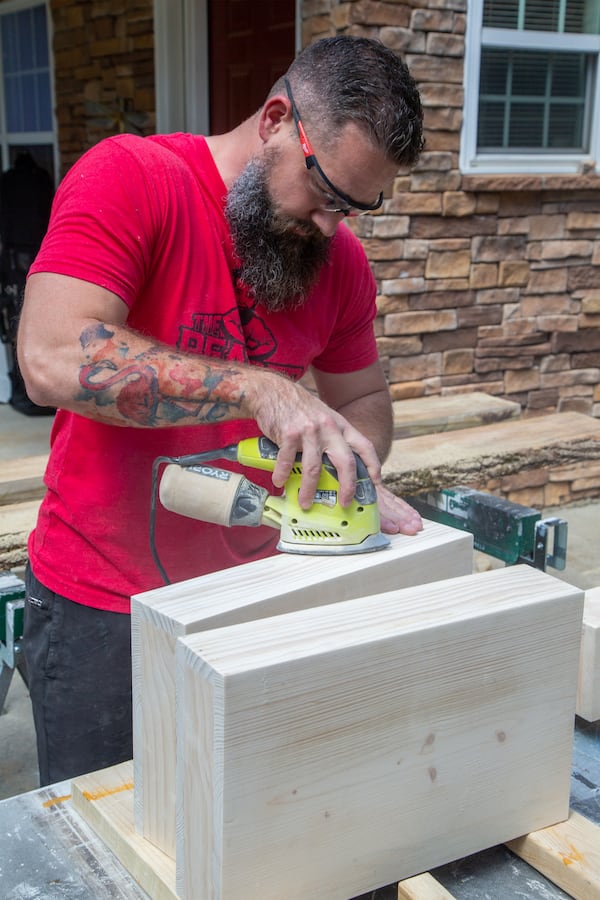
{"x":534,"y":100}
{"x":26,"y":86}
{"x":530,"y":100}
{"x":560,"y":16}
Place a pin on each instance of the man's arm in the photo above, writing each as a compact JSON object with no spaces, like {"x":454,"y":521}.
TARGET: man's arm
{"x":363,"y":398}
{"x":76,"y":352}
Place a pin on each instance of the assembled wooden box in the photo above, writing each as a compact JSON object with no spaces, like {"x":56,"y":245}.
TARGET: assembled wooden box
{"x":268,"y":587}
{"x":329,"y":751}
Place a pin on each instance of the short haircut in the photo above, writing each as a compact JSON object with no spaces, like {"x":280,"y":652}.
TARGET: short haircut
{"x":354,"y":79}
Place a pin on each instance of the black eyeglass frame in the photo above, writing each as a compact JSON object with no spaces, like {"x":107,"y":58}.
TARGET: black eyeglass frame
{"x":352,"y":207}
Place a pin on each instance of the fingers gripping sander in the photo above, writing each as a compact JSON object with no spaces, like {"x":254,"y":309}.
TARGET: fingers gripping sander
{"x":192,"y":488}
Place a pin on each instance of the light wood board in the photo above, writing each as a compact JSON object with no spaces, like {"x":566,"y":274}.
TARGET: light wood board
{"x":264,"y":588}
{"x":337,"y":749}
{"x":423,"y":887}
{"x":567,"y":853}
{"x":588,"y":693}
{"x":105,"y":800}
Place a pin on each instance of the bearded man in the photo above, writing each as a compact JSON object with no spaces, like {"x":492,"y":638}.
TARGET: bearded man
{"x":183,"y":288}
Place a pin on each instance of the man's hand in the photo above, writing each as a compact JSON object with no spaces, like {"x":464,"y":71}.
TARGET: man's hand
{"x":299,"y":422}
{"x":396,"y":515}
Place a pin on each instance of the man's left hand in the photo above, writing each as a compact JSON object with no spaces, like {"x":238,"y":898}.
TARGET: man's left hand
{"x":396,"y":515}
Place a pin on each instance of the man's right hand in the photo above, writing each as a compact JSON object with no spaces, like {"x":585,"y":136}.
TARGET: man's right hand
{"x":299,"y":422}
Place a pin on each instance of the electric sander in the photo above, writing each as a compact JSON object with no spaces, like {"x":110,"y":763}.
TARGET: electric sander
{"x":191,"y":487}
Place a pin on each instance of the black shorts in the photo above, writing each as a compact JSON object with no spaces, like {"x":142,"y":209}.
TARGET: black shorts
{"x":79,"y":672}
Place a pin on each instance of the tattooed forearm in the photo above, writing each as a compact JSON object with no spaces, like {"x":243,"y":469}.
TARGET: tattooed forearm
{"x":156,"y":385}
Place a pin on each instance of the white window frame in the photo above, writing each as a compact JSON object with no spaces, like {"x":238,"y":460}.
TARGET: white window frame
{"x":29,"y":137}
{"x":181,"y":65}
{"x":472,"y":162}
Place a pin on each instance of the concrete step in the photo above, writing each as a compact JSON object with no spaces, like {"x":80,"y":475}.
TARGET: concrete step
{"x":548,"y":459}
{"x":424,"y":415}
{"x":17,"y":521}
{"x":22,"y":478}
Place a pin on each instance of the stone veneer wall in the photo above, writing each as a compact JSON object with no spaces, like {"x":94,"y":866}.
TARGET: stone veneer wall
{"x":485,"y":282}
{"x":104,"y":71}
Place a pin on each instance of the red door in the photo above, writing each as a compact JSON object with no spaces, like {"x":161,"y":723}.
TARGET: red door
{"x":251,"y":43}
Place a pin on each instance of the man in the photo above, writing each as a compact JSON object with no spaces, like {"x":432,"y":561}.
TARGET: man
{"x":184,"y":286}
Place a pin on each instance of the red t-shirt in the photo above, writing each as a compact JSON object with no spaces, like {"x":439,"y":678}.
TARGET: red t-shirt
{"x":143,"y":217}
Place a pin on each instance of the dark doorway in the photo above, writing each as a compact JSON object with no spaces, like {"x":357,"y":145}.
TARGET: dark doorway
{"x":251,"y":43}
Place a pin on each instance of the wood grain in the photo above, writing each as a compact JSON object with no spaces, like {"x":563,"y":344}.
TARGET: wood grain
{"x":423,"y":887}
{"x":105,"y":800}
{"x":588,"y":692}
{"x":264,"y":588}
{"x":568,"y":854}
{"x":333,"y":750}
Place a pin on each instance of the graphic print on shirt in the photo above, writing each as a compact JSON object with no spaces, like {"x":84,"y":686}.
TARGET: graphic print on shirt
{"x":240,"y":334}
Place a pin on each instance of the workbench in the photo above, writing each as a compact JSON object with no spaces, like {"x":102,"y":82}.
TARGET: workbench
{"x":47,"y":850}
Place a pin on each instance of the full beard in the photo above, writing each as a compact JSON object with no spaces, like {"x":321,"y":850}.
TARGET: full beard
{"x":280,"y":257}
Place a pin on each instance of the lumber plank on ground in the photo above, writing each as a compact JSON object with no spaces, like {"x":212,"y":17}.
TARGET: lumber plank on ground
{"x":22,"y":478}
{"x":476,"y":455}
{"x":588,"y":693}
{"x":264,"y":588}
{"x":567,"y":854}
{"x":333,"y":750}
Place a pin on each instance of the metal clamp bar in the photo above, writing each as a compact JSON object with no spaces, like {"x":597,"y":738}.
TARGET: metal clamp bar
{"x":558,"y":558}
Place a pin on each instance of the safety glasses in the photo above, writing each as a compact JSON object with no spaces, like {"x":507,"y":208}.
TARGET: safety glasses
{"x":337,"y":201}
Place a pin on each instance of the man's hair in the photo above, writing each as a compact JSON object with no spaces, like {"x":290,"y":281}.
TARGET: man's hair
{"x":353,"y":79}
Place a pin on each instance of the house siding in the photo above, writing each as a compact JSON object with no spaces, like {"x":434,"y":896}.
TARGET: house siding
{"x":104,"y":71}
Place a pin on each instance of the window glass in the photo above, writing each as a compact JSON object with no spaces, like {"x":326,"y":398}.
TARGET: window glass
{"x":501,"y":13}
{"x":559,"y":16}
{"x":532,"y":87}
{"x":531,"y":100}
{"x":27,"y":90}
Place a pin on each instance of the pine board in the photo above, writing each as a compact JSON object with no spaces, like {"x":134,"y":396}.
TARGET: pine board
{"x":104,"y":800}
{"x":422,"y":887}
{"x":567,"y":853}
{"x":263,"y":588}
{"x":337,"y":749}
{"x":588,"y":694}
